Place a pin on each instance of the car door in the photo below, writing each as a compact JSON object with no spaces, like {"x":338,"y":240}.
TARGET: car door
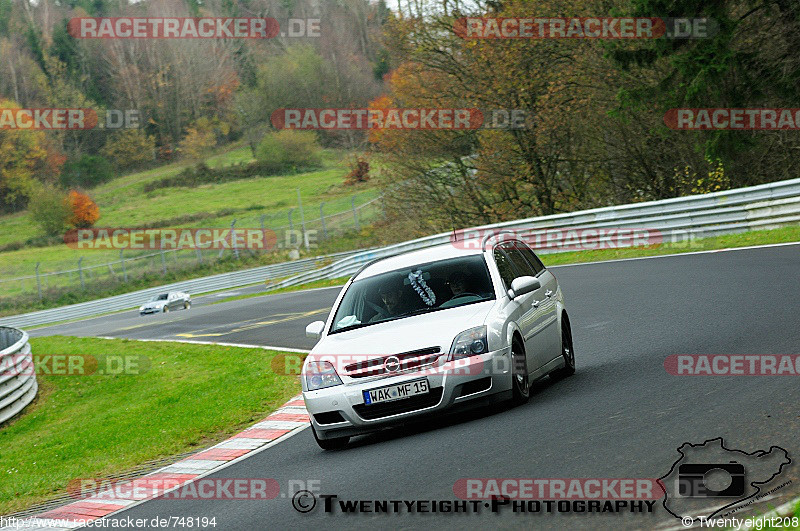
{"x":172,"y":301}
{"x":532,"y":315}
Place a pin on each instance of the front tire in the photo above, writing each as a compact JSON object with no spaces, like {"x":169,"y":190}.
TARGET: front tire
{"x":567,"y":351}
{"x":166,"y":309}
{"x":336,"y":443}
{"x":520,"y":386}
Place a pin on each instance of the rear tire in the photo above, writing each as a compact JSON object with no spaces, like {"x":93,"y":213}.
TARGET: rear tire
{"x":567,"y":351}
{"x":337,"y":443}
{"x":520,"y":386}
{"x":187,"y":305}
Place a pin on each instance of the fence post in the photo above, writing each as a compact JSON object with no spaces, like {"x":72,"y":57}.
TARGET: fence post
{"x":80,"y":272}
{"x":355,"y":212}
{"x":199,"y":255}
{"x":291,"y":227}
{"x":124,"y":269}
{"x":233,"y":240}
{"x":38,"y":282}
{"x":322,"y":218}
{"x":302,"y":219}
{"x":163,"y":260}
{"x":263,"y":233}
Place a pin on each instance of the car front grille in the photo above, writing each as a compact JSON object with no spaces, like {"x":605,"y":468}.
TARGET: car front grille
{"x":396,"y":407}
{"x":407,"y":361}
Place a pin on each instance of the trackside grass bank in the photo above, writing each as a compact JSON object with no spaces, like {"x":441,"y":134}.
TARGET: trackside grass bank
{"x":106,"y":406}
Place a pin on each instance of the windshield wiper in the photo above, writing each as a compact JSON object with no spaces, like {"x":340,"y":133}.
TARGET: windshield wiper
{"x":414,"y":312}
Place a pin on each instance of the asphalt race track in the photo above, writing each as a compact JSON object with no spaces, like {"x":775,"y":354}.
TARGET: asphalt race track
{"x":620,"y":416}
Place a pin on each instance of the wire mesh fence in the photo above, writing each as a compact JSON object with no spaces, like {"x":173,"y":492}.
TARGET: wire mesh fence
{"x":293,"y":228}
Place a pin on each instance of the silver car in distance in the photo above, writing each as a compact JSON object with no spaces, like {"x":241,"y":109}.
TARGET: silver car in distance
{"x":430,"y":330}
{"x":164,"y":302}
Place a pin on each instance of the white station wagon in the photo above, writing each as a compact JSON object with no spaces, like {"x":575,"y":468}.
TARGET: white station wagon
{"x":426,"y":331}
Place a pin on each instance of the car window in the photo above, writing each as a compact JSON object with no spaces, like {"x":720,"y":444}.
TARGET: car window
{"x":521,"y":265}
{"x":414,"y":290}
{"x":537,"y":264}
{"x":504,"y":266}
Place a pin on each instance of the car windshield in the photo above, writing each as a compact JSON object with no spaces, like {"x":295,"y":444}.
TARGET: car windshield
{"x":161,"y":297}
{"x":411,"y":291}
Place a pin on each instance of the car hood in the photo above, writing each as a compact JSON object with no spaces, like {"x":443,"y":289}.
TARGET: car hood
{"x":438,"y":328}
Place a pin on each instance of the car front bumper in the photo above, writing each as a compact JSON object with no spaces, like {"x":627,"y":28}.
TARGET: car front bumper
{"x":340,"y":411}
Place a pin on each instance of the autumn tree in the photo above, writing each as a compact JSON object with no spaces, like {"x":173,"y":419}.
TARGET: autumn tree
{"x":84,"y":211}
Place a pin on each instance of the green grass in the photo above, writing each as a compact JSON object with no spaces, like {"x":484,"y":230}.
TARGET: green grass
{"x":95,"y":425}
{"x":123,"y":203}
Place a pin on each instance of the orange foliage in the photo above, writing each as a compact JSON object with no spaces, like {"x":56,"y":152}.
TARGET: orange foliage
{"x":85,"y":212}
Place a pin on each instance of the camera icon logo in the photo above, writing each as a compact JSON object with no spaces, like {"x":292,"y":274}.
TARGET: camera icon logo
{"x":711,"y":480}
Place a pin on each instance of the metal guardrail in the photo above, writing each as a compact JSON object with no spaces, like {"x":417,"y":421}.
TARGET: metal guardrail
{"x":18,"y":384}
{"x":195,"y":286}
{"x":764,"y":206}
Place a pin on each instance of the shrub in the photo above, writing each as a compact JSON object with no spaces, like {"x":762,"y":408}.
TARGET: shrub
{"x":130,"y":147}
{"x":199,"y":139}
{"x":288,"y":150}
{"x":84,"y":211}
{"x":50,"y":209}
{"x":359,"y":172}
{"x":86,"y":172}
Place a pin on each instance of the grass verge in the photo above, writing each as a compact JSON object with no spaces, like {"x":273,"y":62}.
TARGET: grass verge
{"x":184,"y":397}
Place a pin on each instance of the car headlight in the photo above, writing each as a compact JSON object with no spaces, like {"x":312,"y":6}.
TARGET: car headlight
{"x":321,"y":374}
{"x":469,"y":343}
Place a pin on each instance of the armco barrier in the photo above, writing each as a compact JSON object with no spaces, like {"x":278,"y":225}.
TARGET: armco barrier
{"x":757,"y":207}
{"x":18,"y":384}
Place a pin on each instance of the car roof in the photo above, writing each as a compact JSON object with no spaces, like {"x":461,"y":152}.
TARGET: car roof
{"x":419,"y":256}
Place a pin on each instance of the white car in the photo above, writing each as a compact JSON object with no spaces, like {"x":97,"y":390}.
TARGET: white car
{"x":429,"y":330}
{"x":164,"y":302}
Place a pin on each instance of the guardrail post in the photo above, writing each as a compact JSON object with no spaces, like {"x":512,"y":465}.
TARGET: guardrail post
{"x":124,"y":269}
{"x":233,"y":240}
{"x":38,"y":282}
{"x":263,"y":232}
{"x":322,"y":219}
{"x":80,"y":272}
{"x":355,"y":212}
{"x":302,"y":219}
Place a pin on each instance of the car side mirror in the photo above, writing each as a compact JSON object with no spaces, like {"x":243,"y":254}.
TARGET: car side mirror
{"x":315,"y":329}
{"x":523,"y":285}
